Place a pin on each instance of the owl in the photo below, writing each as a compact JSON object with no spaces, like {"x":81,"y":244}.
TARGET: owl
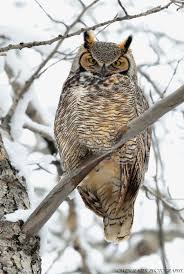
{"x":100,"y":97}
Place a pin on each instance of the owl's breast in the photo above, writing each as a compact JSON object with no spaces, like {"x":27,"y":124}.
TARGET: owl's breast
{"x":101,"y":112}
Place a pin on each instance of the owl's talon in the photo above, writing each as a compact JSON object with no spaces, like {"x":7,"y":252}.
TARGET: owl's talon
{"x":120,"y":133}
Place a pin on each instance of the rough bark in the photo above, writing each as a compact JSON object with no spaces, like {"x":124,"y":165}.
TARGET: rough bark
{"x":13,"y":193}
{"x":18,"y":254}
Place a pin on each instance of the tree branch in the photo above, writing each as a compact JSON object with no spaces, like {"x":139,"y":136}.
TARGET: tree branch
{"x":12,"y":186}
{"x":49,"y":16}
{"x":6,"y":120}
{"x":123,"y":8}
{"x":147,"y":245}
{"x":22,"y":45}
{"x":69,"y":182}
{"x":168,"y":204}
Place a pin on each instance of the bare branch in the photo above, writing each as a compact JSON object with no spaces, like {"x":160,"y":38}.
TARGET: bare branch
{"x":178,"y":3}
{"x":147,"y":245}
{"x":82,"y":4}
{"x":6,"y":120}
{"x":123,"y":8}
{"x":78,"y":247}
{"x":167,"y":203}
{"x":70,"y":181}
{"x":148,"y":78}
{"x":160,"y":210}
{"x":160,"y":217}
{"x":106,"y":26}
{"x":43,"y":130}
{"x":174,"y":73}
{"x":49,"y":16}
{"x":59,"y":254}
{"x":22,"y":45}
{"x":80,"y":16}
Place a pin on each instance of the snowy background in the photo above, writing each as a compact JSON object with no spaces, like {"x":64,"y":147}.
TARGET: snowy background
{"x":73,"y":238}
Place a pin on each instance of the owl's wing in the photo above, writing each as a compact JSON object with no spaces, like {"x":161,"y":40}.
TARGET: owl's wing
{"x":71,"y":151}
{"x":147,"y":146}
{"x":117,"y":225}
{"x":132,"y":172}
{"x":147,"y":137}
{"x":91,"y":200}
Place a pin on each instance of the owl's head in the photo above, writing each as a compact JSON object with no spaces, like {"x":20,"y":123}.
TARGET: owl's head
{"x":105,"y":58}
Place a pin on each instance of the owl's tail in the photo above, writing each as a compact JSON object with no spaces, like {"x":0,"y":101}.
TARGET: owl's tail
{"x":118,"y":228}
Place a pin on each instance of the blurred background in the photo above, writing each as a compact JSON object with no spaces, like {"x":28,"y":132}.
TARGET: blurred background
{"x":30,"y":85}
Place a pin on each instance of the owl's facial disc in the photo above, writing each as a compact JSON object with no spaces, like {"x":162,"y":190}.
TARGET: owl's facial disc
{"x":105,"y":58}
{"x":88,"y":63}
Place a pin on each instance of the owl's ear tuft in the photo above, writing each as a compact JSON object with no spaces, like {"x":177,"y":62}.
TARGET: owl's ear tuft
{"x":89,"y":39}
{"x":124,"y":46}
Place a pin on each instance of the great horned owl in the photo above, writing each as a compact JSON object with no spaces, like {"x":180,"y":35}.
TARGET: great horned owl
{"x":100,"y":96}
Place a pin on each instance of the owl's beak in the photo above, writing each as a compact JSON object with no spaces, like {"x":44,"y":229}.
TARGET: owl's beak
{"x":103,"y":70}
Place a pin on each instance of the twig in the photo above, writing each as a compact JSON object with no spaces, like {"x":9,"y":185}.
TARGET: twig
{"x":70,"y":181}
{"x":178,"y":3}
{"x":66,"y":57}
{"x":6,"y":120}
{"x":160,"y":216}
{"x":123,"y":8}
{"x":157,"y":153}
{"x":147,"y":77}
{"x":80,"y":16}
{"x":49,"y":16}
{"x":161,"y":232}
{"x":22,"y":45}
{"x":174,"y":73}
{"x":78,"y":247}
{"x":59,"y":254}
{"x":167,"y":204}
{"x":82,"y":4}
{"x":147,"y":244}
{"x":44,"y":131}
{"x":106,"y":26}
{"x":169,"y":235}
{"x":160,"y":212}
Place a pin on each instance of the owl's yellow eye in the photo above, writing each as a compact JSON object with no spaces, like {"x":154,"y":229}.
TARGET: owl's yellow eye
{"x":117,"y":63}
{"x":91,"y":60}
{"x":87,"y":61}
{"x":122,"y":64}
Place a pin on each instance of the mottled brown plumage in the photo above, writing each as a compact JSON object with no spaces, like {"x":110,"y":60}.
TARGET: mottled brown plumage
{"x":100,"y":96}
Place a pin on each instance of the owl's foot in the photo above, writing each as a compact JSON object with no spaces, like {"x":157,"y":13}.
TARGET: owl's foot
{"x":85,"y":153}
{"x":120,"y":133}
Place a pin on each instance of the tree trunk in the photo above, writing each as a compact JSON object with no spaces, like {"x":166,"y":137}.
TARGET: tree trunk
{"x":18,"y":253}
